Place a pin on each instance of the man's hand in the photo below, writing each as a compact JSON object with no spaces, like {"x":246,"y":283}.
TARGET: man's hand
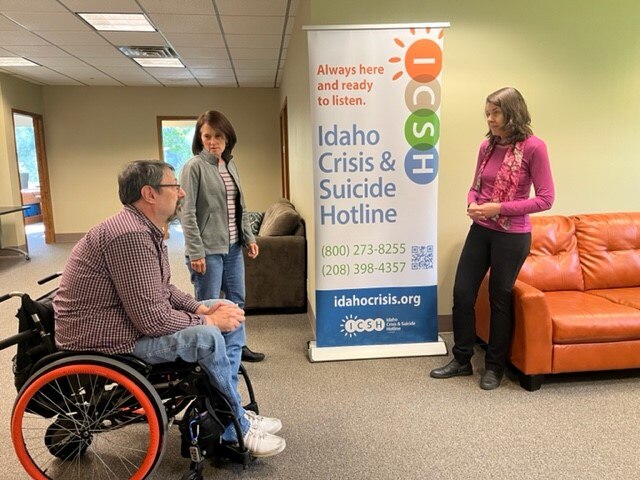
{"x":226,"y":316}
{"x":199,"y":265}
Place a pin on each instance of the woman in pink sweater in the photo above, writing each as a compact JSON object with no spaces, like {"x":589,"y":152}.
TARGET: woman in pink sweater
{"x":510,"y":161}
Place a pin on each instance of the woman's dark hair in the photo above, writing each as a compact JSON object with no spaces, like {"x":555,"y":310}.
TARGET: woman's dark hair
{"x":136,"y":175}
{"x":517,"y":122}
{"x":221,"y":124}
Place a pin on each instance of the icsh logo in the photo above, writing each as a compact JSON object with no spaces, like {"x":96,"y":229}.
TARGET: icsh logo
{"x":351,"y":325}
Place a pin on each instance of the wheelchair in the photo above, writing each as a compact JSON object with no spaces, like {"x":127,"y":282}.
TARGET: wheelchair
{"x":85,"y":415}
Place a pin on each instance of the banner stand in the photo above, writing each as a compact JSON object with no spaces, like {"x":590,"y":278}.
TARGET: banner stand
{"x":363,"y":352}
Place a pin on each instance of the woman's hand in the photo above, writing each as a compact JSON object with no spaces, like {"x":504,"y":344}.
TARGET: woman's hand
{"x":253,"y":250}
{"x":199,"y":265}
{"x":484,"y":211}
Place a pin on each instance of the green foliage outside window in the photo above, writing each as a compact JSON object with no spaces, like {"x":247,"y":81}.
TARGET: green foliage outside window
{"x":176,"y":144}
{"x":27,"y":160}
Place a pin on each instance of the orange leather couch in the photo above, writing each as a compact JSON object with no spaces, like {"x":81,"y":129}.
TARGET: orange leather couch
{"x":577,"y":297}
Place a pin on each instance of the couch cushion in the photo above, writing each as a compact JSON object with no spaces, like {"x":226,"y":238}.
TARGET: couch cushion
{"x":579,"y":317}
{"x":553,"y":262}
{"x":624,"y":296}
{"x":280,"y":219}
{"x":609,"y":246}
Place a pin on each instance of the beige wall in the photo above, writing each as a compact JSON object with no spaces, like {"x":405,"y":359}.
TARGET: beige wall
{"x":19,"y":95}
{"x":91,"y":132}
{"x":577,"y":64}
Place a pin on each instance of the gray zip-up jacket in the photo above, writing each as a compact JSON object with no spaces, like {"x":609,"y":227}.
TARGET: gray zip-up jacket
{"x":204,"y":215}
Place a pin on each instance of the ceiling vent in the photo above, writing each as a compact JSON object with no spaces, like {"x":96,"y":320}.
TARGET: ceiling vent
{"x":148,"y":52}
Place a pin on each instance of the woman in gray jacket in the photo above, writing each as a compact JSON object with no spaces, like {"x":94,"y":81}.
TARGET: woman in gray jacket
{"x":213,"y":216}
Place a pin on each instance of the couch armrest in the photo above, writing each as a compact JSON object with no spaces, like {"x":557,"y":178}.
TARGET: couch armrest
{"x":532,"y":342}
{"x":277,"y":278}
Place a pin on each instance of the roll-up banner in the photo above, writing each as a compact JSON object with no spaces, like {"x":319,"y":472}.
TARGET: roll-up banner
{"x":375,"y":119}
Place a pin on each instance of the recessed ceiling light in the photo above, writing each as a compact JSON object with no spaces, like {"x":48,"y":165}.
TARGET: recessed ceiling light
{"x":119,"y":22}
{"x":16,"y":62}
{"x":159,"y":62}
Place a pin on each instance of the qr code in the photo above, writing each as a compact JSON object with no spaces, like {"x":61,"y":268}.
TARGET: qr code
{"x":421,"y":257}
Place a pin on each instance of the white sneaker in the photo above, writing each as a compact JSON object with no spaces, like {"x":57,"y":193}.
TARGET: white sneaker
{"x":263,"y":444}
{"x":266,"y":424}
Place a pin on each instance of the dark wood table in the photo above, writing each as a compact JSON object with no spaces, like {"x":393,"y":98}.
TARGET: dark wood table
{"x":6,"y":211}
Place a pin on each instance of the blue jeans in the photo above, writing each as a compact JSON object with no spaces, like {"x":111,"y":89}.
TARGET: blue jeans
{"x":216,"y":352}
{"x":225,"y":272}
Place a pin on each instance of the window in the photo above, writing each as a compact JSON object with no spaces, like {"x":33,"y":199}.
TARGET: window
{"x":26,"y":150}
{"x":176,"y":136}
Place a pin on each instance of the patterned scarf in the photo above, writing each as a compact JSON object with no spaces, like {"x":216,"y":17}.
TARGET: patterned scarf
{"x":506,"y":184}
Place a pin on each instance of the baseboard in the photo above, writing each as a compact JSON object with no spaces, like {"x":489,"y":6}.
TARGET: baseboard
{"x":68,"y":237}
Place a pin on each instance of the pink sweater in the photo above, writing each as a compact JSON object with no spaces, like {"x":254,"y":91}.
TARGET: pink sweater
{"x":535,"y":170}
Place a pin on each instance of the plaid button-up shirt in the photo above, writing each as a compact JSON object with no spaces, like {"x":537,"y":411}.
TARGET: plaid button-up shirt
{"x":116,"y":288}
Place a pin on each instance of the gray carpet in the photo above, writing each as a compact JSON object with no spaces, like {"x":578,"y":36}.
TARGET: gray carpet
{"x":386,"y":419}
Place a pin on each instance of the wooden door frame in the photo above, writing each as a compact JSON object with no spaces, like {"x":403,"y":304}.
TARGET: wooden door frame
{"x":43,"y":171}
{"x":284,"y":150}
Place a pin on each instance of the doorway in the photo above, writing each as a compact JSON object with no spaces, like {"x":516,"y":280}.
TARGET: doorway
{"x":31,"y":157}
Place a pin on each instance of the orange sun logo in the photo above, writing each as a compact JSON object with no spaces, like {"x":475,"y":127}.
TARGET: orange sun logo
{"x":423,"y":58}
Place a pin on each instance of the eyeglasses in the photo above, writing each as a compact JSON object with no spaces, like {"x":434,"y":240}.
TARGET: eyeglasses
{"x":174,"y":185}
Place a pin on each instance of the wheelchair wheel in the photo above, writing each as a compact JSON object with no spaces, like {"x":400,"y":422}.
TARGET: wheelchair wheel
{"x":107,"y":422}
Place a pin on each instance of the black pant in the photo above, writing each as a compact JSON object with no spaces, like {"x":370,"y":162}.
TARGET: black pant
{"x":504,"y":253}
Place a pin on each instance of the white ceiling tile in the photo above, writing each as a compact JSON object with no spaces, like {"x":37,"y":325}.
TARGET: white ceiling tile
{"x":6,"y":53}
{"x":43,"y":74}
{"x":93,"y":51}
{"x":80,"y":72}
{"x":73,"y":38}
{"x":204,"y":64}
{"x":119,"y":61}
{"x":265,"y":63}
{"x":212,"y":53}
{"x":213,"y":72}
{"x":102,"y":81}
{"x":6,"y":24}
{"x":168,"y":72}
{"x":102,"y":6}
{"x":252,"y":7}
{"x":186,"y":23}
{"x":252,"y":24}
{"x":53,"y":62}
{"x":60,"y":40}
{"x":253,"y":41}
{"x":196,"y":7}
{"x":252,"y":53}
{"x":143,"y":39}
{"x":37,"y":51}
{"x":20,"y":37}
{"x":256,"y":72}
{"x":30,"y":6}
{"x":195,"y":40}
{"x":218,"y":82}
{"x":49,"y":21}
{"x":141,"y":82}
{"x":179,"y":82}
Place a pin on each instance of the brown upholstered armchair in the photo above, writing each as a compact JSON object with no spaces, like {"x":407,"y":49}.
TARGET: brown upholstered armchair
{"x":277,"y":279}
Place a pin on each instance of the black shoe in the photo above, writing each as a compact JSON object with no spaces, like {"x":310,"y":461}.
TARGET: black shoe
{"x":490,"y":380}
{"x":452,"y":369}
{"x":249,"y":356}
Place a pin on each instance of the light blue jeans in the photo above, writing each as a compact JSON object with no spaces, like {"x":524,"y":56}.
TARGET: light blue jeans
{"x":225,"y":272}
{"x":216,"y":352}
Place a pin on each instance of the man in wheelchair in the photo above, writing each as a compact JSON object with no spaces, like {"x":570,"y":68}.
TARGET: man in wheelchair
{"x":115,"y":297}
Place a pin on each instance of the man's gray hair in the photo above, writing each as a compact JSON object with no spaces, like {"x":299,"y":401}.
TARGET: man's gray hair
{"x":136,"y":175}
